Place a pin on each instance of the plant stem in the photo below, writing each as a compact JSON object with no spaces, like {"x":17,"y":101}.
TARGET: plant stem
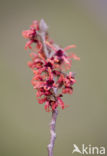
{"x":52,"y":132}
{"x":54,"y":112}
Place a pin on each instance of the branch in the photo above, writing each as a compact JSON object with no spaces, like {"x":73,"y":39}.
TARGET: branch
{"x":52,"y":132}
{"x":47,"y":67}
{"x":54,"y":112}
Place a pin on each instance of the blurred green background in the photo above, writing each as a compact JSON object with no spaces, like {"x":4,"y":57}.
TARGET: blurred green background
{"x":24,"y":124}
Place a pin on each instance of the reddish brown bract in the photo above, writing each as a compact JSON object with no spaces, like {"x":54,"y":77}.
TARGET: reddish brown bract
{"x":48,"y":63}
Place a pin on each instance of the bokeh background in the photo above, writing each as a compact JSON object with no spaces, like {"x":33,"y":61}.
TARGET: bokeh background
{"x":24,"y":124}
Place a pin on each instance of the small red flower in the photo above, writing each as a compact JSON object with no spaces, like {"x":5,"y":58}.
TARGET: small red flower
{"x":47,"y":106}
{"x":41,"y":101}
{"x":68,"y":90}
{"x":29,"y":34}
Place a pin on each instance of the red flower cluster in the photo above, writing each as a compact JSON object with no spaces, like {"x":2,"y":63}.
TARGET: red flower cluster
{"x":49,"y":61}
